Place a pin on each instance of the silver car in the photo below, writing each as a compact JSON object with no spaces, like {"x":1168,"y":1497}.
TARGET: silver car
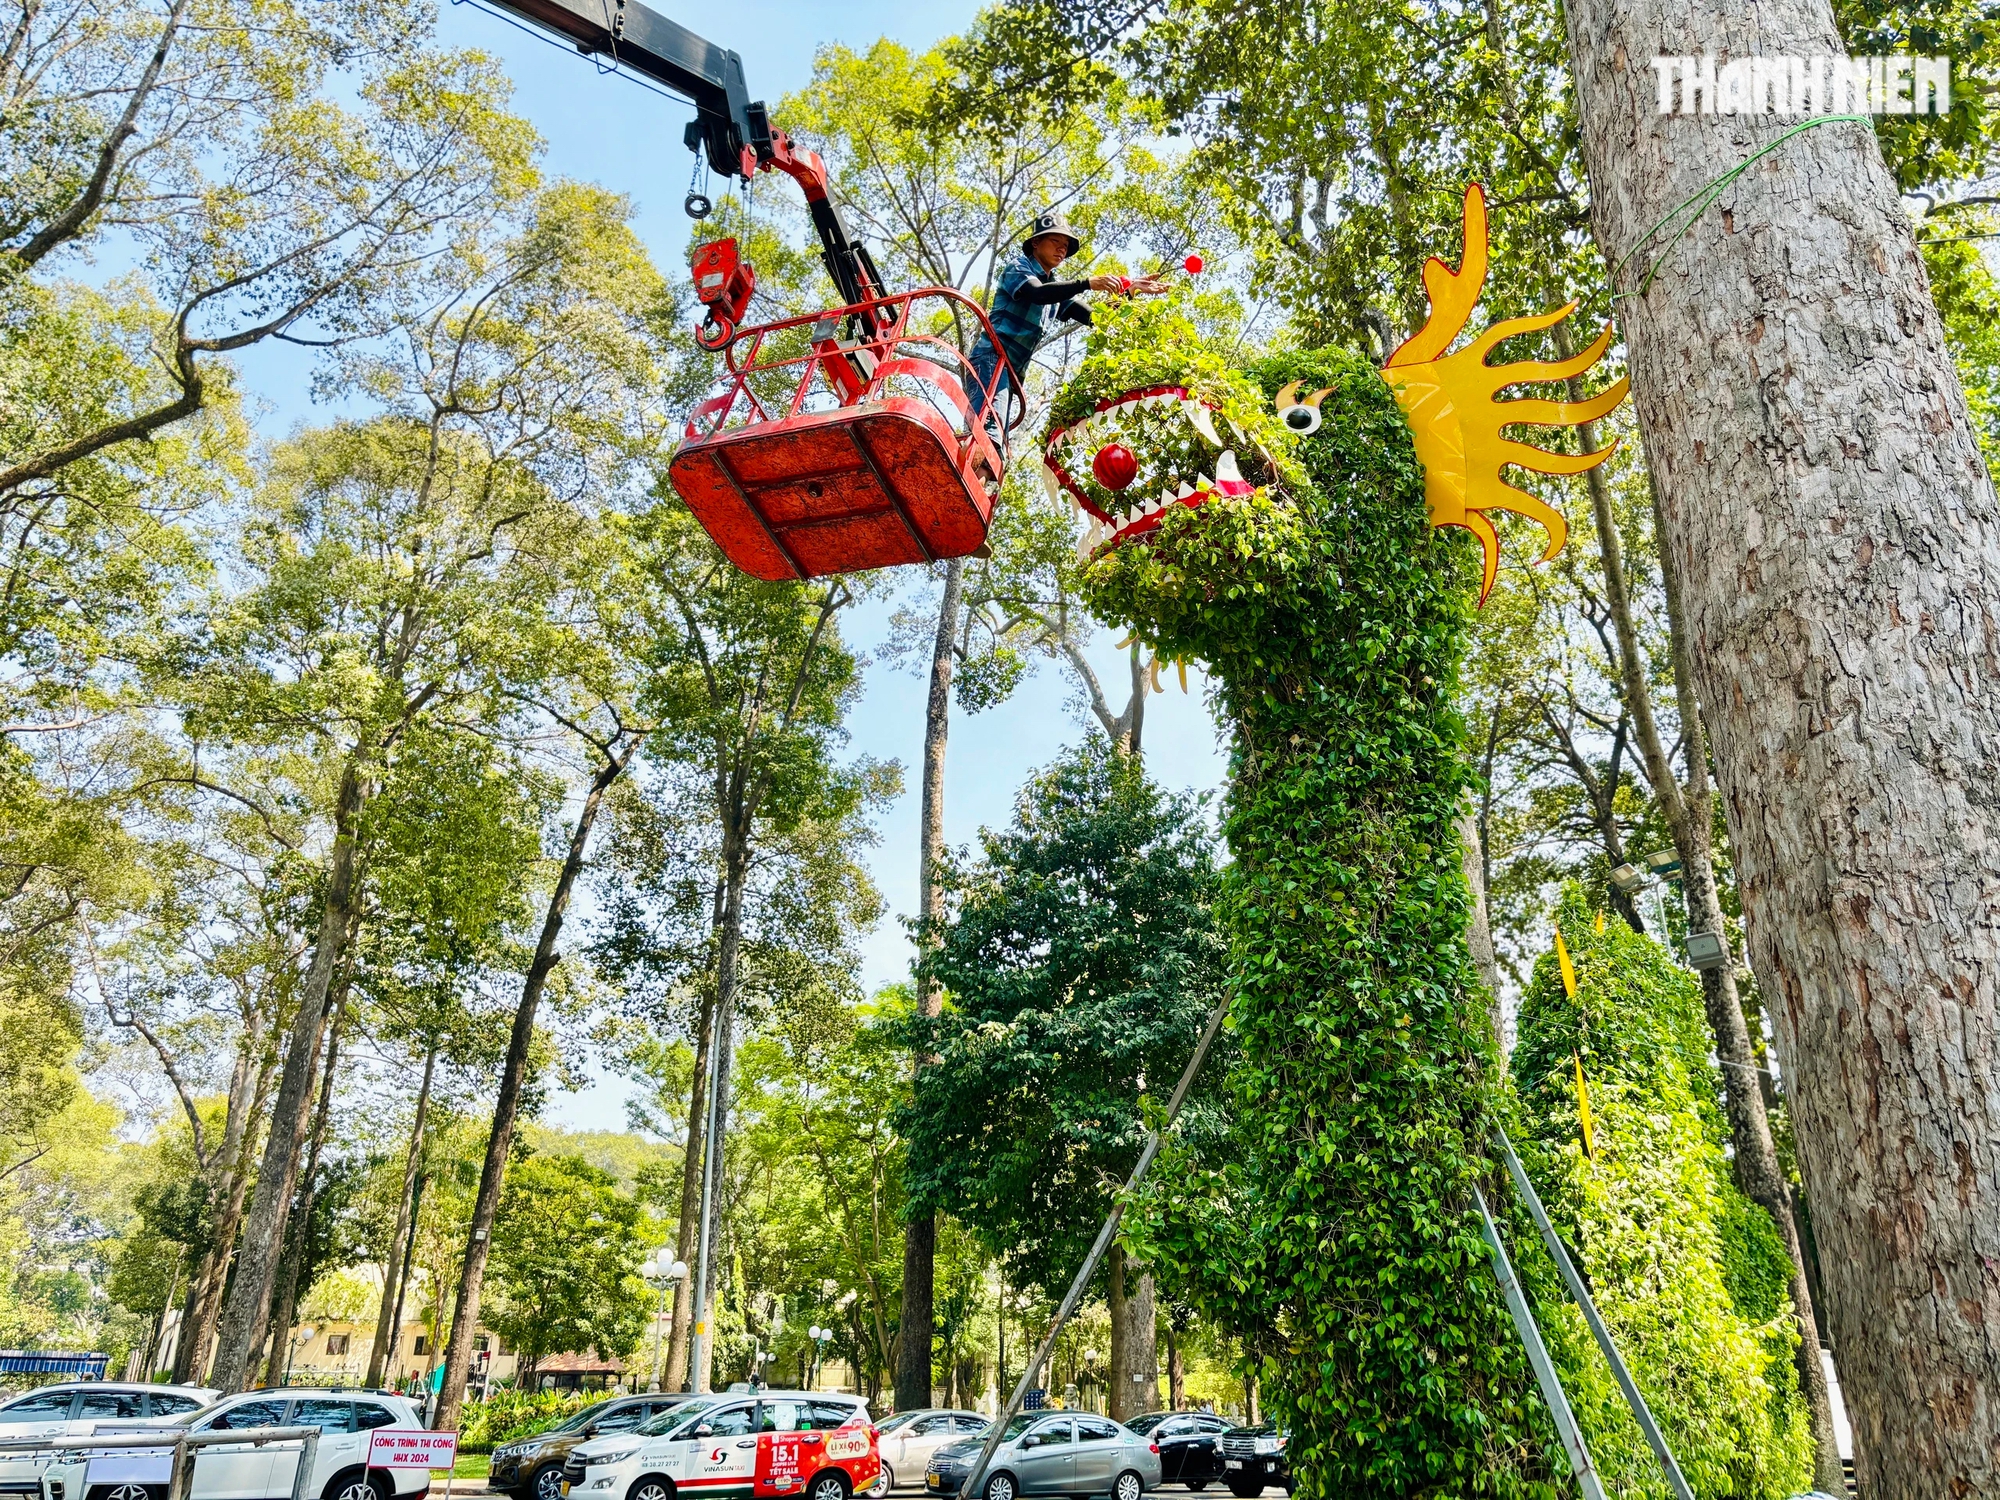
{"x":909,"y":1438}
{"x":1053,"y":1453}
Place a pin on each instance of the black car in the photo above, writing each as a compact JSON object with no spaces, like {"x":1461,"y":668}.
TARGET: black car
{"x":1186,"y":1441}
{"x":531,"y":1468}
{"x":1253,"y":1457}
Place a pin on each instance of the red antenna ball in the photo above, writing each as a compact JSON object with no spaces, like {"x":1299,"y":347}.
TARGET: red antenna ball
{"x":1114,"y":466}
{"x":1193,"y":265}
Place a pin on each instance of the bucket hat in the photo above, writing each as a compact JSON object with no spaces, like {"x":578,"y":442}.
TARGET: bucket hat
{"x":1053,"y":222}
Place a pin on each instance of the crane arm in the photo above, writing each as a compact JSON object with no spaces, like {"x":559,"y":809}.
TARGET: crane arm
{"x":731,"y":129}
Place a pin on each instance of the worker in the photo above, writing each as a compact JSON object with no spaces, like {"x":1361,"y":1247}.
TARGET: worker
{"x":1026,"y":296}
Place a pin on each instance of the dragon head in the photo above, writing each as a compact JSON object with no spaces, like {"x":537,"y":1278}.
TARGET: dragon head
{"x":1156,"y":424}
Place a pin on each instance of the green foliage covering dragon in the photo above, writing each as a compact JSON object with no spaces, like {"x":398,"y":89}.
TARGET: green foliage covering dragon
{"x":1285,"y":536}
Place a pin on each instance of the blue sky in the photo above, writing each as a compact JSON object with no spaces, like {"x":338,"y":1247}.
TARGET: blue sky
{"x":607,"y":130}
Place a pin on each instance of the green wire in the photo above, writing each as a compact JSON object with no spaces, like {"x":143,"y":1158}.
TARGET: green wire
{"x":1703,"y":198}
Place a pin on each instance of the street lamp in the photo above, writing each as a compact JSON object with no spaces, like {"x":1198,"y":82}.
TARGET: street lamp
{"x":301,"y":1334}
{"x":819,"y":1336}
{"x":661,"y":1270}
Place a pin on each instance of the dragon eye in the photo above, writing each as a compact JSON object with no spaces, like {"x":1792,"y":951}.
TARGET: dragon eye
{"x":1301,"y":416}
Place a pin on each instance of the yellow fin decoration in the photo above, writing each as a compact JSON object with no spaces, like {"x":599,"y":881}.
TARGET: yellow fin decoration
{"x":1583,"y":1108}
{"x":1600,"y":924}
{"x":1563,"y":964}
{"x":1449,"y":400}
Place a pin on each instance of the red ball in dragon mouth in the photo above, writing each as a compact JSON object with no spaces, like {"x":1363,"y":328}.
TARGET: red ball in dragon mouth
{"x":1114,"y":466}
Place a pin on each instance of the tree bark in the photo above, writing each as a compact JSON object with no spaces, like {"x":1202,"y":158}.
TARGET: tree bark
{"x":917,"y":1327}
{"x":1176,"y":1371}
{"x":403,"y":1281}
{"x":728,"y":955}
{"x":1688,"y":815}
{"x":228,"y":1185}
{"x":295,"y":1267}
{"x":676,"y":1376}
{"x":1135,"y":1357}
{"x":1838,"y":543}
{"x":392,"y":1271}
{"x":1252,"y":1416}
{"x":249,"y":1301}
{"x":1478,"y":926}
{"x":507,"y":1105}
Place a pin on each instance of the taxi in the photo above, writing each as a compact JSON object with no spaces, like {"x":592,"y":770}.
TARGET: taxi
{"x":756,"y":1445}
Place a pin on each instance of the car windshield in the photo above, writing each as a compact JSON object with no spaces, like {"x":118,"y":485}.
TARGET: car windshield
{"x":683,"y":1417}
{"x":1018,"y":1425}
{"x":577,"y":1422}
{"x":1147,"y":1424}
{"x":660,"y":1421}
{"x":901,"y":1419}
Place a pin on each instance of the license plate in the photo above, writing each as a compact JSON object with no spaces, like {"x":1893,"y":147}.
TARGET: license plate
{"x":565,"y":1488}
{"x":1227,"y":1463}
{"x":934,"y":1480}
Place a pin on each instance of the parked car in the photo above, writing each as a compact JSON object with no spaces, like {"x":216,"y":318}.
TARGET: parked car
{"x":532,"y":1468}
{"x":1053,"y":1453}
{"x":753,"y":1445}
{"x":1253,"y":1457}
{"x":1186,"y":1440}
{"x":75,"y":1409}
{"x":230,"y":1471}
{"x":910,"y":1438}
{"x":63,"y":1410}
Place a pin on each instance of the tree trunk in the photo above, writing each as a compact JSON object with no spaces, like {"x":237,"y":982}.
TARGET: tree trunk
{"x":1176,"y":1371}
{"x":249,"y":1302}
{"x":403,"y":1282}
{"x":917,"y":1326}
{"x":392,"y":1272}
{"x":228,"y":1183}
{"x":1688,"y":813}
{"x":1838,"y":543}
{"x":1479,"y":928}
{"x":1252,"y":1415}
{"x":295,"y":1265}
{"x":676,"y":1377}
{"x":718,"y":1137}
{"x":506,"y":1106}
{"x":1135,"y":1357}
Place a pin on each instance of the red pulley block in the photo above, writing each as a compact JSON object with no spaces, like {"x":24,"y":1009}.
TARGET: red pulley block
{"x":724,"y":281}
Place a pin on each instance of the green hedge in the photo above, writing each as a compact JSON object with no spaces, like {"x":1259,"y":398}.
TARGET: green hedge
{"x":509,"y":1415}
{"x":1690,"y":1275}
{"x":1338,"y":1235}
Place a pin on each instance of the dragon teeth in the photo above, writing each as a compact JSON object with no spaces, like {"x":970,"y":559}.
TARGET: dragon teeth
{"x":1198,"y":417}
{"x":1204,"y":483}
{"x":1049,"y":483}
{"x":1225,"y":466}
{"x":1237,"y":428}
{"x":1186,"y":490}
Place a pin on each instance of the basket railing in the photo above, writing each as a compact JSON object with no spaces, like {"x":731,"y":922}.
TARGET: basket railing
{"x":851,"y":356}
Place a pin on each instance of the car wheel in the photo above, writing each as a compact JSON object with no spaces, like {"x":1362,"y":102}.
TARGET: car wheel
{"x":888,"y":1478}
{"x":1129,"y":1486}
{"x":651,"y":1488}
{"x":1246,"y":1489}
{"x":355,"y":1484}
{"x":130,"y":1490}
{"x":1001,"y":1487}
{"x":547,"y":1483}
{"x":827,"y":1484}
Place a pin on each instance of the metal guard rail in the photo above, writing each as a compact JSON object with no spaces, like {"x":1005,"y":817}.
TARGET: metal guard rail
{"x":853,"y":370}
{"x":181,"y":1475}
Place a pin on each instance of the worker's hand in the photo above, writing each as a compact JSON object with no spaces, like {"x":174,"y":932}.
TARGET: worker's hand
{"x":1150,"y":286}
{"x":1109,"y":284}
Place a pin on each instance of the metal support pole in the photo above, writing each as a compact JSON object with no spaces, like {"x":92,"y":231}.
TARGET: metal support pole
{"x":1676,"y":1481}
{"x":968,"y":1488}
{"x":1538,"y":1357}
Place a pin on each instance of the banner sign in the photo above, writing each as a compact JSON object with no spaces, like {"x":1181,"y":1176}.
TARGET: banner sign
{"x":411,"y":1448}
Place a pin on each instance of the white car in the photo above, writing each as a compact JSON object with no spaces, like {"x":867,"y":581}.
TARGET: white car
{"x":75,"y":1409}
{"x":71,"y":1408}
{"x":910,"y":1438}
{"x":756,"y":1445}
{"x":229,"y":1471}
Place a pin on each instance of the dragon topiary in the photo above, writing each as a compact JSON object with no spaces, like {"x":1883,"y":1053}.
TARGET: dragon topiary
{"x":1287,"y":538}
